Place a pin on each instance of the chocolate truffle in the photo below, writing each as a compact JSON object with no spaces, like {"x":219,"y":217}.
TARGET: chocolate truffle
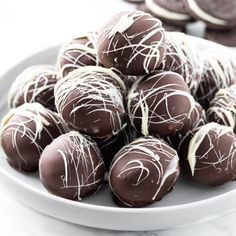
{"x":218,"y":73}
{"x":183,"y":58}
{"x":222,"y":108}
{"x":26,"y":131}
{"x":77,"y":52}
{"x":71,"y":166}
{"x":170,"y":11}
{"x":90,"y":101}
{"x":208,"y":154}
{"x":34,"y":84}
{"x":159,"y":104}
{"x":132,"y":42}
{"x":217,"y":14}
{"x":143,"y":172}
{"x":197,"y":118}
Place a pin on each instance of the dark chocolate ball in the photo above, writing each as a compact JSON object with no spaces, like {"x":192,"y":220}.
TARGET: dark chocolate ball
{"x":218,"y":73}
{"x":143,"y":172}
{"x":71,"y":166}
{"x":34,"y":84}
{"x":79,"y":51}
{"x":184,"y":58}
{"x":222,"y":108}
{"x":132,"y":42}
{"x":197,"y":118}
{"x":26,"y":131}
{"x":90,"y":101}
{"x":208,"y":154}
{"x":159,"y":104}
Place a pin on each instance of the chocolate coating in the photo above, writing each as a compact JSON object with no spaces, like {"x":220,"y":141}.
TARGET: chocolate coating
{"x":71,"y":166}
{"x":215,"y":13}
{"x":78,"y":52}
{"x":143,"y":172}
{"x":208,"y":154}
{"x":132,"y":42}
{"x":218,"y":73}
{"x":154,"y":104}
{"x":89,"y":100}
{"x":183,"y":58}
{"x":26,"y":131}
{"x":222,"y":108}
{"x":34,"y":84}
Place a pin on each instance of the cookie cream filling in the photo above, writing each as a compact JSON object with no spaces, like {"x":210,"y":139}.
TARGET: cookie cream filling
{"x":162,"y":12}
{"x":204,"y":15}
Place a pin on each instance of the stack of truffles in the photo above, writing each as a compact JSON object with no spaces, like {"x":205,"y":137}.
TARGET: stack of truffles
{"x":129,"y":100}
{"x":219,"y":16}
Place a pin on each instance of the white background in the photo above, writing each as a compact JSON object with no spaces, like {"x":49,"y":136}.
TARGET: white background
{"x":27,"y":27}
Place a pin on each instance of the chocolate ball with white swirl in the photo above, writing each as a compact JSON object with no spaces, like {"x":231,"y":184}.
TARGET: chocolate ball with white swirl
{"x":222,"y":108}
{"x":218,"y":73}
{"x":77,"y":52}
{"x":90,"y":100}
{"x":34,"y":84}
{"x":143,"y":172}
{"x":71,"y":166}
{"x":197,"y":118}
{"x":208,"y":154}
{"x":184,"y":58}
{"x":154,"y":104}
{"x":132,"y":42}
{"x":26,"y":131}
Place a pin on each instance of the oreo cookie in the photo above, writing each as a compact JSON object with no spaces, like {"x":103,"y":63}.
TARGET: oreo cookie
{"x":170,"y":11}
{"x":216,"y":14}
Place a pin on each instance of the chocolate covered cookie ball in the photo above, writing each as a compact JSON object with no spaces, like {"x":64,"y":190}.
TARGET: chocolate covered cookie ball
{"x":184,"y":58}
{"x":143,"y":172}
{"x":26,"y":131}
{"x":90,"y":100}
{"x":132,"y":42}
{"x":218,"y":73}
{"x":34,"y":84}
{"x":78,"y":52}
{"x":208,"y":154}
{"x":159,"y":104}
{"x":222,"y":108}
{"x":71,"y":166}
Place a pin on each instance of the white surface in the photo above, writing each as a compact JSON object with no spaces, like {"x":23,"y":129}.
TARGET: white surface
{"x":27,"y":27}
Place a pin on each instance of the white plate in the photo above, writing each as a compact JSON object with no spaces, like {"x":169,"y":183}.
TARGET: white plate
{"x":187,"y":203}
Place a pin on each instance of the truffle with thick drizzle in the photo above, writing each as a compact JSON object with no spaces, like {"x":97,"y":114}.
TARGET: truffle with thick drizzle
{"x":208,"y":154}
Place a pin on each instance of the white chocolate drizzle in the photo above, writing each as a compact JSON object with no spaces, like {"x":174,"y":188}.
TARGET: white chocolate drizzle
{"x":138,"y":100}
